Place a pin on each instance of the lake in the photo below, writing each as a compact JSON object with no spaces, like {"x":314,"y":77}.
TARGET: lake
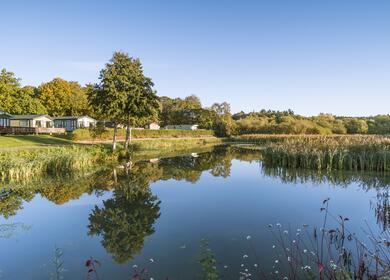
{"x":154,"y":214}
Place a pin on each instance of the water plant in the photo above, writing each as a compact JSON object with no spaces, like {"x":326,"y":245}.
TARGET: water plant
{"x":208,"y":262}
{"x":58,"y":264}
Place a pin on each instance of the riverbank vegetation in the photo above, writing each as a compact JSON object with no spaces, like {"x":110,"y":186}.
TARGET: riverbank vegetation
{"x":17,"y":164}
{"x":363,"y":153}
{"x":23,"y":164}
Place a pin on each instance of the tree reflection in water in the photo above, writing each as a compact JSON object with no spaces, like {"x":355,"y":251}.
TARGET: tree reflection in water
{"x":127,"y":218}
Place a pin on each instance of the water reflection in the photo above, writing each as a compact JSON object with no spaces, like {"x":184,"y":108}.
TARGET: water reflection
{"x":127,"y":218}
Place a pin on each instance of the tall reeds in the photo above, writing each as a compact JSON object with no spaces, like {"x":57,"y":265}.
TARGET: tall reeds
{"x":23,"y":164}
{"x":369,"y":153}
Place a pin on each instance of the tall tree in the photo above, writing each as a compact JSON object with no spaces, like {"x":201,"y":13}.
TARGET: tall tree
{"x":124,"y":94}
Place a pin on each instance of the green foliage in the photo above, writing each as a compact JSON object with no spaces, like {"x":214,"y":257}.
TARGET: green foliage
{"x":63,"y":98}
{"x":286,"y":122}
{"x":124,"y":94}
{"x":16,"y":99}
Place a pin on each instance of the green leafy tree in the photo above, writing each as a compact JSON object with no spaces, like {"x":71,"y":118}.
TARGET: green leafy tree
{"x":56,"y":96}
{"x":25,"y":102}
{"x":16,"y":99}
{"x":9,"y":85}
{"x":61,"y":97}
{"x":124,"y":94}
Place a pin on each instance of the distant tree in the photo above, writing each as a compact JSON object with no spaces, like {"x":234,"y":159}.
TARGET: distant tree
{"x":16,"y":99}
{"x":356,"y":126}
{"x":224,"y":125}
{"x":56,"y":96}
{"x":9,"y":85}
{"x":221,"y":108}
{"x":61,"y":97}
{"x":79,"y":100}
{"x":192,"y":102}
{"x":27,"y":103}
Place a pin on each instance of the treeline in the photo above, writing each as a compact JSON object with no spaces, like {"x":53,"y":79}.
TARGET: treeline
{"x":68,"y":98}
{"x":126,"y":96}
{"x":56,"y":98}
{"x":287,"y":122}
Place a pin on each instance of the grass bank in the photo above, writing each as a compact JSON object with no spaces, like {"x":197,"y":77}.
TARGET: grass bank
{"x":364,"y":153}
{"x":171,"y":147}
{"x":29,"y":156}
{"x":106,"y":134}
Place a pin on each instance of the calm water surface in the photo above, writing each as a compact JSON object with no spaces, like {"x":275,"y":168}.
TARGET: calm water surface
{"x":161,"y":210}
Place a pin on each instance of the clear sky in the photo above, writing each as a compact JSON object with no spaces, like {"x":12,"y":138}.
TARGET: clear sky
{"x":308,"y":55}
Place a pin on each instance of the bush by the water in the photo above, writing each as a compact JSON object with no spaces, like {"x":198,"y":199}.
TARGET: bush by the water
{"x":29,"y":163}
{"x":107,"y":133}
{"x":371,"y":153}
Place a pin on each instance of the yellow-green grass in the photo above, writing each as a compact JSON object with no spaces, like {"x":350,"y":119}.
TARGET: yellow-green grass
{"x":169,"y":147}
{"x":107,"y":134}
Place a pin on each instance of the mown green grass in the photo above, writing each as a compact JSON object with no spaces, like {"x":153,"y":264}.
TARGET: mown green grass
{"x":31,"y":141}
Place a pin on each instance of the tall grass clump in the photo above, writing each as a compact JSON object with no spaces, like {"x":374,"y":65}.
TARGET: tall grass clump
{"x":23,"y":164}
{"x":369,"y":153}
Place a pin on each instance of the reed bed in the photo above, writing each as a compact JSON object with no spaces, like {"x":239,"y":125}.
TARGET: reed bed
{"x":364,"y":153}
{"x":59,"y":160}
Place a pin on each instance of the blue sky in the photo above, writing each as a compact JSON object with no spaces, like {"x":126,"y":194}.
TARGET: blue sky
{"x":308,"y":55}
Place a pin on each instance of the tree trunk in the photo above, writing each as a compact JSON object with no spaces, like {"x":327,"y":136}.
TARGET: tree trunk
{"x":114,"y":138}
{"x":128,"y":135}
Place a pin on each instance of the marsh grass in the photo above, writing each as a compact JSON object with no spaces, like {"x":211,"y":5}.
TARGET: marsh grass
{"x":59,"y":160}
{"x":368,"y":153}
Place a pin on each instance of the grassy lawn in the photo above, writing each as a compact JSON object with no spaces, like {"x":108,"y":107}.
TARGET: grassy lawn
{"x":31,"y":141}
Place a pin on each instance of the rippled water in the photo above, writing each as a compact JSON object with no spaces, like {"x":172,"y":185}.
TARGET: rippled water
{"x":154,"y":214}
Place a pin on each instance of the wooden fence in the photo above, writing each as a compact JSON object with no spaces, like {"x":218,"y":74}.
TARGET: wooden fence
{"x":31,"y":130}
